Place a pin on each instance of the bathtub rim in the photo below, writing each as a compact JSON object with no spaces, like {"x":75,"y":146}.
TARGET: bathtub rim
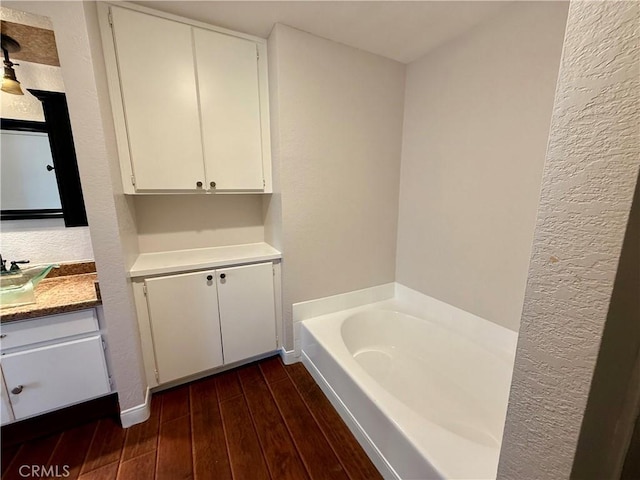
{"x":463,"y":322}
{"x":460,"y":324}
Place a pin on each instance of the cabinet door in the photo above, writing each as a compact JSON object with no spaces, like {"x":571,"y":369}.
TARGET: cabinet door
{"x":6,"y":414}
{"x":183,"y":310}
{"x":158,"y":85}
{"x":50,"y":377}
{"x":247,"y":311}
{"x":230,"y":107}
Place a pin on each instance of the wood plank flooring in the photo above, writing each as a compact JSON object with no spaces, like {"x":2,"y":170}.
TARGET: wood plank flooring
{"x":261,"y":421}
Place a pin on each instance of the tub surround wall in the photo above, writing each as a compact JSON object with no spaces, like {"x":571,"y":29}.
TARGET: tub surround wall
{"x":335,"y":303}
{"x":338,"y":157}
{"x":476,"y":123}
{"x":587,"y":189}
{"x":78,"y":41}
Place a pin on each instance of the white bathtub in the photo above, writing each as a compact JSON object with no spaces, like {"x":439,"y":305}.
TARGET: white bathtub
{"x":424,"y":386}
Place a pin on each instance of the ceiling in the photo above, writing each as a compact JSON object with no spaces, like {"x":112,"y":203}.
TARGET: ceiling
{"x":400,"y":30}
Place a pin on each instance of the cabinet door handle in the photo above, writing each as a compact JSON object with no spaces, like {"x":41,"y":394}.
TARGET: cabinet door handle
{"x":3,"y":335}
{"x":213,"y":184}
{"x":223,"y":276}
{"x":17,"y":390}
{"x":209,"y":278}
{"x":199,"y":184}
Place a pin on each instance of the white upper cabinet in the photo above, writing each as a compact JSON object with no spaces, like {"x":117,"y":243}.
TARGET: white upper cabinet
{"x":190,"y":103}
{"x":230,"y":110}
{"x":158,"y":84}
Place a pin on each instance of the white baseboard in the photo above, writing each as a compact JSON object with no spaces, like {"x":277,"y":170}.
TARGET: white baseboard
{"x":289,"y":356}
{"x":138,"y":414}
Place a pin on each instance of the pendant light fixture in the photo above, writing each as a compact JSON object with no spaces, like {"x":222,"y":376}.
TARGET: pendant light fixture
{"x":9,"y":82}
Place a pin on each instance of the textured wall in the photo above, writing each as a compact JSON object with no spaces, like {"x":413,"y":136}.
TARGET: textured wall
{"x":30,"y":75}
{"x":41,"y":241}
{"x":587,"y":188}
{"x":272,"y":204}
{"x":44,"y":241}
{"x":614,"y":397}
{"x":339,"y":126}
{"x":476,"y":124}
{"x":75,"y":25}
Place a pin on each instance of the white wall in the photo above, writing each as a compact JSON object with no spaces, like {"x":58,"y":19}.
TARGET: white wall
{"x":44,"y":241}
{"x":176,"y":222}
{"x":476,"y":123}
{"x":339,"y":125}
{"x":30,"y":75}
{"x":109,"y":212}
{"x":591,"y":170}
{"x":41,"y":241}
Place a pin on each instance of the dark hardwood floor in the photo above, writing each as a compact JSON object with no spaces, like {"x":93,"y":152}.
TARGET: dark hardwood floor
{"x":262,"y":421}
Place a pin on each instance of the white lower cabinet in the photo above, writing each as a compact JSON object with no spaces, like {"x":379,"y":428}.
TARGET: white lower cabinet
{"x":53,"y":376}
{"x":185,"y":326}
{"x":51,"y":362}
{"x":202,"y":320}
{"x":247,"y":313}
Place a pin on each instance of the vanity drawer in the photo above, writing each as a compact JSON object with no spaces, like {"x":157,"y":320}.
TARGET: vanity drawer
{"x":44,"y":329}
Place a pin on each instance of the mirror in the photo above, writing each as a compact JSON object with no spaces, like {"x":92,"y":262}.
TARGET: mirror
{"x":29,"y":188}
{"x":39,"y":175}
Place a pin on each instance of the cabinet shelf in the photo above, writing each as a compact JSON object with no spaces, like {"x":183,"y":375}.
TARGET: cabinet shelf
{"x":161,"y":263}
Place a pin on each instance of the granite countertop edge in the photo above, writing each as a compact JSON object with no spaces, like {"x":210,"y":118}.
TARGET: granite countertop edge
{"x":67,"y":291}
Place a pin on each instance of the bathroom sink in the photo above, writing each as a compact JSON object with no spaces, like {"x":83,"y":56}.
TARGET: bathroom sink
{"x":18,"y":288}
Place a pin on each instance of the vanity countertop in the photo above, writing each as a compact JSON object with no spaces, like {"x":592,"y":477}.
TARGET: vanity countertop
{"x":57,"y":294}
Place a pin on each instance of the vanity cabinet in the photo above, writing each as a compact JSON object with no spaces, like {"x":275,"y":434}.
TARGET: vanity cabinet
{"x":51,"y":362}
{"x":6,"y":413}
{"x":190,"y":104}
{"x":202,"y":320}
